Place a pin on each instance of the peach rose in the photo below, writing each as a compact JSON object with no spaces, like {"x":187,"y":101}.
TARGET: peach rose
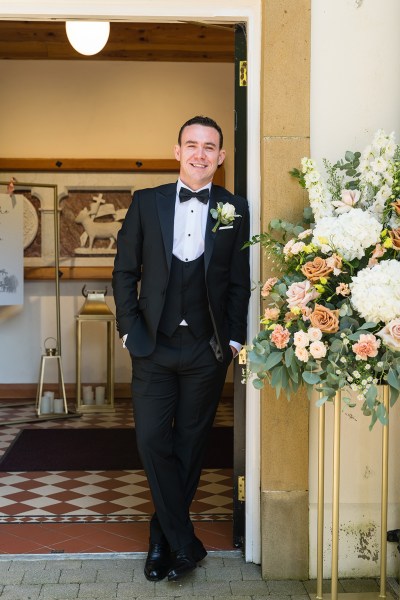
{"x":367,"y":346}
{"x":325,"y":319}
{"x":395,"y":237}
{"x":271,"y":314}
{"x":390,"y":335}
{"x":316,"y":269}
{"x":396,"y":206}
{"x":280,"y":337}
{"x":268,"y":285}
{"x":301,"y":293}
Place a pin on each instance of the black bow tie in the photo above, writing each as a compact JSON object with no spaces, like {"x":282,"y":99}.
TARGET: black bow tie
{"x":202,"y":195}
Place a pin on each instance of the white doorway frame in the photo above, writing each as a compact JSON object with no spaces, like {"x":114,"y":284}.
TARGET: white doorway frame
{"x":207,"y":11}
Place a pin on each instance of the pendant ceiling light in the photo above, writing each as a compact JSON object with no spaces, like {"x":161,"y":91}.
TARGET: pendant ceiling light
{"x":88,"y":37}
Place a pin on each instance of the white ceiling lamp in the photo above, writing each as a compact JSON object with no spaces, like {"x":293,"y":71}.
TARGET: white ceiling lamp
{"x":88,"y":37}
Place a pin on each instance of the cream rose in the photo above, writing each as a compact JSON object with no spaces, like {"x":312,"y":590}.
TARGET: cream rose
{"x":317,"y":349}
{"x":390,"y":335}
{"x":301,"y":339}
{"x":300,"y":294}
{"x":227,"y":213}
{"x":301,"y":353}
{"x":314,"y":334}
{"x":325,"y":319}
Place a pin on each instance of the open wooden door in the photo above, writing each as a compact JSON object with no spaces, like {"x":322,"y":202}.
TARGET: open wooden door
{"x":240,"y":184}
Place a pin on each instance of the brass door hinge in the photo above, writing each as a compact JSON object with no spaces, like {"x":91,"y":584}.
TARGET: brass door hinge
{"x":242,"y":356}
{"x":241,"y":488}
{"x":243,"y":73}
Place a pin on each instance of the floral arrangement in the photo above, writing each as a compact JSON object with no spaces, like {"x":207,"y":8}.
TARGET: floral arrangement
{"x":331,"y":316}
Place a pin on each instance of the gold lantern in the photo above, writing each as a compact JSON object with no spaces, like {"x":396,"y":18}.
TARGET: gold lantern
{"x":97,"y":397}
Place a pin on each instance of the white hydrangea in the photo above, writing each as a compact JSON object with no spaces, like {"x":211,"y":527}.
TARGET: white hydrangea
{"x":349,"y":234}
{"x":376,"y":292}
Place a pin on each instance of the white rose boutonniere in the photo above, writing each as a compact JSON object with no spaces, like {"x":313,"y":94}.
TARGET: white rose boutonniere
{"x":224,"y":213}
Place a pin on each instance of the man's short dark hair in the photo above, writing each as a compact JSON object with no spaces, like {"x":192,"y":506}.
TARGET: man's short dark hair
{"x":207,"y":122}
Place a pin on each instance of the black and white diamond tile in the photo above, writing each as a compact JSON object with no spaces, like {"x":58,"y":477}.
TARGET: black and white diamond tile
{"x":98,"y":496}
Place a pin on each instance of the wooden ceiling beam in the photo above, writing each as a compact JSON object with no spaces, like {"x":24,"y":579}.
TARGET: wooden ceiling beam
{"x":178,"y":42}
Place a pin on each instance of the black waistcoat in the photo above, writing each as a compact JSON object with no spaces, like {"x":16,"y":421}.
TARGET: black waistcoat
{"x":186,"y":298}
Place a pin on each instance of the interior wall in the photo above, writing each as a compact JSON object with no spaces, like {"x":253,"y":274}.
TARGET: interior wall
{"x":94,"y":109}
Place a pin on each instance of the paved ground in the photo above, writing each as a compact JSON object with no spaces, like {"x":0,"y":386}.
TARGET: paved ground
{"x":89,"y":577}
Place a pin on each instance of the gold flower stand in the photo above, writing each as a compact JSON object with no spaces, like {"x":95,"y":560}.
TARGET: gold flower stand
{"x":335,"y":506}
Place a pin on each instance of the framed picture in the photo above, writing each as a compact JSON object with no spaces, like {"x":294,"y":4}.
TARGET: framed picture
{"x":91,"y":197}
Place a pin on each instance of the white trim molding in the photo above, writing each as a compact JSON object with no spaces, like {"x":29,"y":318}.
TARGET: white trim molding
{"x":208,"y":11}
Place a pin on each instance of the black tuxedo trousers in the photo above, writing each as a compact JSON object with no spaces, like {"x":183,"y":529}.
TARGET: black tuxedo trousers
{"x":175,"y":392}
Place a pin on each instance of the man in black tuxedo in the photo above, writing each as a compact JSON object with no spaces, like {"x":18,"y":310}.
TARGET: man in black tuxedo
{"x":182,"y":325}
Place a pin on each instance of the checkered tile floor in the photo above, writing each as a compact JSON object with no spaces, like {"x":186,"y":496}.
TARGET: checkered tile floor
{"x":97,"y":496}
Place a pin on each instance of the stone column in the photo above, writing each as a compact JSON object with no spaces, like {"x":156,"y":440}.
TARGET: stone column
{"x":285,"y":140}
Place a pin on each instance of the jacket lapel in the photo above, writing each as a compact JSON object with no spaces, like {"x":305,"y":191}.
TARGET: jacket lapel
{"x":217,"y":195}
{"x":166,"y":213}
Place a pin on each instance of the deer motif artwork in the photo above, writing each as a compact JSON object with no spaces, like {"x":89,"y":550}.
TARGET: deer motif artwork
{"x":102,"y":230}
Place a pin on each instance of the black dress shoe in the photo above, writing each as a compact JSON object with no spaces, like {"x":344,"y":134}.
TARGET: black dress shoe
{"x":183,"y":561}
{"x":158,"y":562}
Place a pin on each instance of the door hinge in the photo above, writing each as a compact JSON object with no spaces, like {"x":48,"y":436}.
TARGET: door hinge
{"x":243,"y":73}
{"x":241,"y":488}
{"x":242,"y":356}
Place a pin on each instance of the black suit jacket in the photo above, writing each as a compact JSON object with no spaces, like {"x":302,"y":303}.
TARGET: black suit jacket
{"x":143,"y":262}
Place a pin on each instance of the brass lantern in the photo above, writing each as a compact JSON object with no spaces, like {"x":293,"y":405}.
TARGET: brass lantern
{"x":95,"y":397}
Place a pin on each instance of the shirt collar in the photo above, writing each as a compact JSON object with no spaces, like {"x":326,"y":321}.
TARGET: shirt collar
{"x":180,"y":184}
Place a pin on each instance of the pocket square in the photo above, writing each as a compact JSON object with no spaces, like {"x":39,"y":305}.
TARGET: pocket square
{"x":225,"y":227}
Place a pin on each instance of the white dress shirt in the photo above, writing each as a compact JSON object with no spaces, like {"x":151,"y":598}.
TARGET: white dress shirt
{"x":188,"y":236}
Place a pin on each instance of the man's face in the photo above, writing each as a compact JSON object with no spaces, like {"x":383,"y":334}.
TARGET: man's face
{"x":199,"y":155}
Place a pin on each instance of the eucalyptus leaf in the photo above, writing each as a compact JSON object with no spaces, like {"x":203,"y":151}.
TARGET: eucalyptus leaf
{"x":289,"y":356}
{"x":276,"y":380}
{"x":258,"y":384}
{"x":393,"y":380}
{"x":368,"y":325}
{"x":349,"y":401}
{"x":336,"y":345}
{"x":374,"y":418}
{"x":381,"y":413}
{"x":273,"y":359}
{"x":371,"y":396}
{"x":311,"y":378}
{"x":321,"y":401}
